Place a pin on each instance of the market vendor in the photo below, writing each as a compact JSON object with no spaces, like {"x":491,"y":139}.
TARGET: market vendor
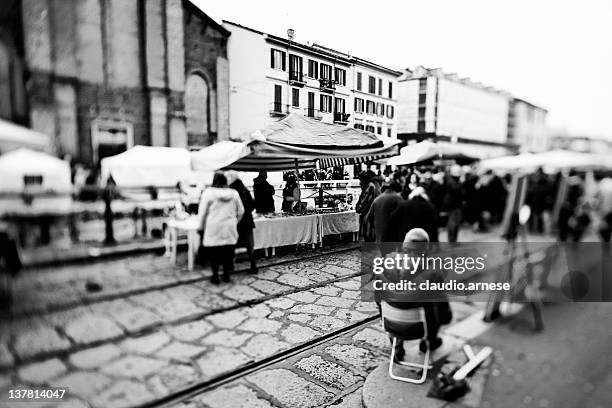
{"x":291,"y":193}
{"x":263,"y":193}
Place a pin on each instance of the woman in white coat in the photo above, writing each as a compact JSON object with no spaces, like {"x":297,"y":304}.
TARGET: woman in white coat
{"x":220,"y":210}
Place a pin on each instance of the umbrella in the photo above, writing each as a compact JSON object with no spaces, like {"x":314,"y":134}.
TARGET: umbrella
{"x":13,"y":136}
{"x":426,"y":151}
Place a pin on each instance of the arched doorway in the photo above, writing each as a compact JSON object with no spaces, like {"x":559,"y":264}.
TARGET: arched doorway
{"x":197,"y":110}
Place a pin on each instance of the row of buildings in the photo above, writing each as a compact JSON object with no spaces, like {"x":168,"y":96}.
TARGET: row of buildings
{"x":100,"y":76}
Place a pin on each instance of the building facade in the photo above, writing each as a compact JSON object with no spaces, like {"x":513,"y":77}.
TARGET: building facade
{"x":443,"y":107}
{"x":527,"y":126}
{"x":272,"y":76}
{"x":100,"y":76}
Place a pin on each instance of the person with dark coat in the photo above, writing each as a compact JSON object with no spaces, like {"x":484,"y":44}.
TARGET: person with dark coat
{"x":246,"y":223}
{"x":380,"y":217}
{"x":264,"y":194}
{"x":370,"y":189}
{"x":538,"y":193}
{"x":416,"y":212}
{"x":453,"y":203}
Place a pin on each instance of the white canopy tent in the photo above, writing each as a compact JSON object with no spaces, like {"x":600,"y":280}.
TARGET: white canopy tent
{"x":553,"y":160}
{"x":425,"y":151}
{"x":13,"y":137}
{"x":48,"y":173}
{"x":145,"y":166}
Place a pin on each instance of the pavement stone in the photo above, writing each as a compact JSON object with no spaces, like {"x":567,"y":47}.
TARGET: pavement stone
{"x":268,"y":274}
{"x":366,"y":307}
{"x":191,"y":331}
{"x":373,"y":338}
{"x":135,"y":319}
{"x":94,"y":357}
{"x":290,"y":389}
{"x":72,"y":403}
{"x":91,"y":329}
{"x":299,"y":317}
{"x":221,"y":360}
{"x":358,"y":357}
{"x":133,"y":367}
{"x":123,"y":394}
{"x":327,"y":323}
{"x":316,"y":275}
{"x":83,"y":384}
{"x":304,"y":297}
{"x":350,"y":315}
{"x":43,"y":372}
{"x":173,"y":377}
{"x":38,"y":340}
{"x":294,"y":280}
{"x":352,"y":400}
{"x":351,"y":294}
{"x":260,"y":310}
{"x":270,"y":288}
{"x":242,"y":293}
{"x":180,"y":351}
{"x":226,"y":338}
{"x":352,"y":284}
{"x":312,"y":309}
{"x":328,"y":372}
{"x":227,"y":320}
{"x":280,"y":303}
{"x":299,"y":334}
{"x":338,"y":270}
{"x":177,"y":309}
{"x":334,"y":301}
{"x":146,"y":344}
{"x":327,"y":290}
{"x":239,"y":396}
{"x":259,"y":325}
{"x":264,"y":345}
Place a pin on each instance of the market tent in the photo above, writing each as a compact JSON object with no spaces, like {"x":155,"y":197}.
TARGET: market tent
{"x":144,"y":166}
{"x":13,"y":137}
{"x":40,"y":171}
{"x":426,"y":151}
{"x":294,"y":141}
{"x":551,"y":161}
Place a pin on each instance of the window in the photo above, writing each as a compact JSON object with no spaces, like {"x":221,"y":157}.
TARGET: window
{"x":380,"y":109}
{"x":379,"y":130}
{"x":358,"y":105}
{"x":389,"y":132}
{"x":326,"y":103}
{"x":326,"y":71}
{"x":295,"y":67}
{"x":359,"y":82}
{"x":423,"y":85}
{"x":313,"y":69}
{"x":339,"y":105}
{"x":380,"y":86}
{"x":369,"y":128}
{"x":422,"y":113}
{"x":278,"y":98}
{"x":340,"y":76}
{"x":390,"y":89}
{"x":277,"y":59}
{"x":370,"y":107}
{"x":390,"y":111}
{"x":358,"y":126}
{"x":295,"y":97}
{"x":371,"y":85}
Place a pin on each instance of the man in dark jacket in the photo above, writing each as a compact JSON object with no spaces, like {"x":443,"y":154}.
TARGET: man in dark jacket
{"x":380,"y":216}
{"x":246,"y":224}
{"x":416,"y":212}
{"x":453,"y":203}
{"x":264,"y":193}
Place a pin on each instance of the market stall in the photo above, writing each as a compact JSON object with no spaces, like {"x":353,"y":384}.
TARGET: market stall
{"x":553,"y":160}
{"x":427,"y":151}
{"x":13,"y":137}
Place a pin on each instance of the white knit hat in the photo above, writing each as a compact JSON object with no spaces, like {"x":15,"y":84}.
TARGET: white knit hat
{"x":415,"y":235}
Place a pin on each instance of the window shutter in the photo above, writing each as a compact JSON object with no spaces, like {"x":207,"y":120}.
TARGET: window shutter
{"x":271,"y":58}
{"x":284,"y":64}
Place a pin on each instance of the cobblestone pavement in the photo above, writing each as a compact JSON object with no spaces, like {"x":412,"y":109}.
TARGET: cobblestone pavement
{"x":143,"y":346}
{"x":41,"y":289}
{"x":330,"y":374}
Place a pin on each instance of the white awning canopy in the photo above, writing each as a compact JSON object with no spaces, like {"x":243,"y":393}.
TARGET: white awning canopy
{"x":13,"y":137}
{"x":45,"y":172}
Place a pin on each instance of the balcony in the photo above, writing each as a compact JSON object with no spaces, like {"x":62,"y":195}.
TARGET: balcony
{"x":313,"y":113}
{"x":341,"y":118}
{"x":278,"y":109}
{"x":296,"y":78}
{"x":327,"y":85}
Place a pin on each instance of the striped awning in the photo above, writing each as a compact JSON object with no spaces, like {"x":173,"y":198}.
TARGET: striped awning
{"x":273,"y":150}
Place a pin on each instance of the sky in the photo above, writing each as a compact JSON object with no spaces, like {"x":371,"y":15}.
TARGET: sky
{"x":556,"y":54}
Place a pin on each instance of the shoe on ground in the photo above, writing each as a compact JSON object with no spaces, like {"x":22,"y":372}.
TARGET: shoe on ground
{"x":253,"y":270}
{"x":215,"y":280}
{"x":226,"y":278}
